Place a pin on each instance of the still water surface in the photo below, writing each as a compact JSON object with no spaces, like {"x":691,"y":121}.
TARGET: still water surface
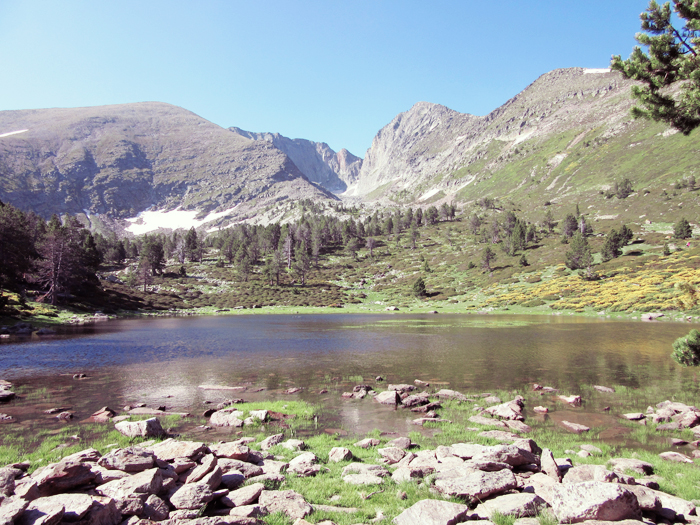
{"x":162,"y":361}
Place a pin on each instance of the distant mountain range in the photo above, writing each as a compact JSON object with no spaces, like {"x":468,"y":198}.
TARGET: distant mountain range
{"x":567,"y":135}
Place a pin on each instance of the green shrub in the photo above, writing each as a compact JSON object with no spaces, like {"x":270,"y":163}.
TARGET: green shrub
{"x":686,"y":350}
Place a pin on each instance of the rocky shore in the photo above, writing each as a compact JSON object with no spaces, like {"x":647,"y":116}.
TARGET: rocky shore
{"x":233,"y":482}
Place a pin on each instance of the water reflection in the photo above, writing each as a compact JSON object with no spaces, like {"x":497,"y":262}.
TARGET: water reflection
{"x":162,"y":361}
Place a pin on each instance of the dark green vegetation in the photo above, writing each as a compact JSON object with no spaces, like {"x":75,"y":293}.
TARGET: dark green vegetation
{"x":672,"y":60}
{"x":488,"y":256}
{"x":686,"y":350}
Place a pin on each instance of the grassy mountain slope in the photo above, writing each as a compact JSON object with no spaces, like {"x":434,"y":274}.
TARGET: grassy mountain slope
{"x":565,"y":138}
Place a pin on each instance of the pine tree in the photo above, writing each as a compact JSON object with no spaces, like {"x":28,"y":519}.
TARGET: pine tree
{"x":682,"y":229}
{"x":579,"y":254}
{"x":487,"y":257}
{"x":419,"y":288}
{"x":672,"y":59}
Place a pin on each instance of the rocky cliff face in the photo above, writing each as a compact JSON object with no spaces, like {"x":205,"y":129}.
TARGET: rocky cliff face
{"x":334,"y":171}
{"x":551,"y":138}
{"x":123,"y":159}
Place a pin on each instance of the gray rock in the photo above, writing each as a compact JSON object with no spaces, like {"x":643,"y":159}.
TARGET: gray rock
{"x":131,"y":459}
{"x":647,"y":499}
{"x":62,"y":476}
{"x":42,"y":513}
{"x":268,"y":479}
{"x":675,"y":456}
{"x":363,"y":479}
{"x":521,"y":505}
{"x":191,"y":496}
{"x":403,"y":474}
{"x":243,"y":496}
{"x":400,"y":442}
{"x":402,"y":388}
{"x":549,"y":466}
{"x":146,"y":482}
{"x":466,"y":450}
{"x":270,"y":466}
{"x":593,"y":500}
{"x":7,"y":481}
{"x":365,"y":468}
{"x":583,"y":473}
{"x":247,"y":511}
{"x":499,"y":435}
{"x":509,"y":454}
{"x":171,"y":449}
{"x":293,"y":444}
{"x":156,"y":509}
{"x":206,"y":465}
{"x":234,"y":479}
{"x":392,"y":454}
{"x":214,"y":478}
{"x":388,"y":397}
{"x":147,"y":428}
{"x":271,"y":441}
{"x":367,"y":443}
{"x":287,"y":501}
{"x":451,"y":394}
{"x":11,"y":508}
{"x":604,"y":389}
{"x":247,"y":469}
{"x":338,"y":454}
{"x":635,"y":465}
{"x":226,"y":419}
{"x":230,"y":450}
{"x":574,"y":427}
{"x":477,"y":485}
{"x":510,"y":410}
{"x":432,"y":512}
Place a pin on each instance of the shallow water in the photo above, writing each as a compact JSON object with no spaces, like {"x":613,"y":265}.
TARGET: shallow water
{"x":162,"y":361}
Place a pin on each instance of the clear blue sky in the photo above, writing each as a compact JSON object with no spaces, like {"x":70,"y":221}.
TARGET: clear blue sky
{"x":326,"y":70}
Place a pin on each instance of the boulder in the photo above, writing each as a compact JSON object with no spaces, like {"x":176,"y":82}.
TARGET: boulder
{"x":226,"y":419}
{"x":191,"y":496}
{"x":400,"y":442}
{"x":604,"y":389}
{"x":286,"y":501}
{"x":675,"y":456}
{"x":247,"y":469}
{"x":388,"y":397}
{"x":512,"y":410}
{"x":363,"y":479}
{"x":451,"y":394}
{"x":521,"y":505}
{"x":7,"y":481}
{"x":146,"y":482}
{"x":549,"y":466}
{"x":62,"y":476}
{"x":243,"y":496}
{"x":155,"y":509}
{"x":466,"y":450}
{"x":338,"y":454}
{"x":293,"y":444}
{"x":76,"y":506}
{"x":432,"y":512}
{"x":392,"y":454}
{"x":365,"y":468}
{"x":509,"y":454}
{"x":402,"y":388}
{"x":131,"y":459}
{"x":593,"y":500}
{"x":230,"y":450}
{"x":583,"y":473}
{"x":635,"y":465}
{"x":367,"y":443}
{"x":171,"y":449}
{"x":147,"y":428}
{"x":477,"y":485}
{"x":574,"y":427}
{"x":499,"y":435}
{"x":11,"y":509}
{"x":271,"y":441}
{"x":572,"y":400}
{"x":206,"y":465}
